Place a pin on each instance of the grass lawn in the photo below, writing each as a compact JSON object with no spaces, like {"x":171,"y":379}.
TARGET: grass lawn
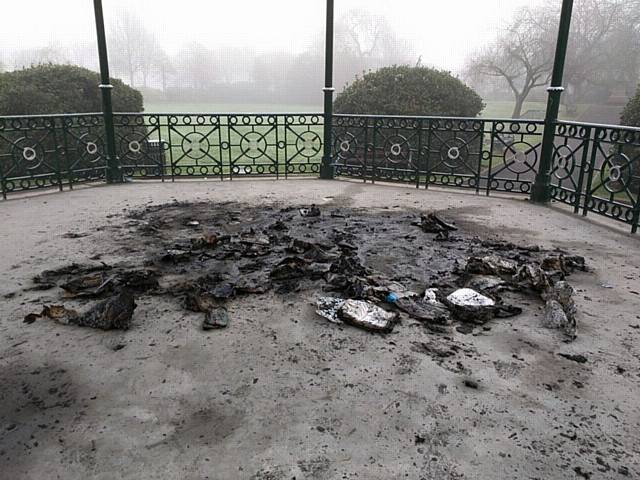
{"x":494,"y":109}
{"x":503,"y":109}
{"x":205,"y":107}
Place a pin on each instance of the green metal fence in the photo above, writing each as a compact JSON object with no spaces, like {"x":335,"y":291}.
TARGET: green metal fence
{"x":595,"y":168}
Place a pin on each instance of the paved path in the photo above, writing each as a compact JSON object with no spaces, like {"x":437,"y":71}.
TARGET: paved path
{"x":282,"y":393}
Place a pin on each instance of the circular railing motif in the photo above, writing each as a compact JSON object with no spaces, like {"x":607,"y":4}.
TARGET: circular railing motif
{"x":195,"y":145}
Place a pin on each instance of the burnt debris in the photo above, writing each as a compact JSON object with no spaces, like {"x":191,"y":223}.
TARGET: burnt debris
{"x":363,"y":268}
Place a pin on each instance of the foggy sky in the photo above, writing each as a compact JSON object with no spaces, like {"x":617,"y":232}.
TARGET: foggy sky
{"x":442,"y":32}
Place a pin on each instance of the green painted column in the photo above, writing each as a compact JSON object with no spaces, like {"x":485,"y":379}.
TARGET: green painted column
{"x":327,"y":169}
{"x":541,"y":192}
{"x":113,"y":169}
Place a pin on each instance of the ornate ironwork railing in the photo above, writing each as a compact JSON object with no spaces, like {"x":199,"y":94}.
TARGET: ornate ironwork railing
{"x":61,"y":150}
{"x":474,"y":153}
{"x":596,"y":168}
{"x":218,"y":145}
{"x":50,"y":151}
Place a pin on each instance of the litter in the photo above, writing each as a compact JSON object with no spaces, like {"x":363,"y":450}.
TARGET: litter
{"x":564,"y":264}
{"x":470,"y":306}
{"x":327,"y":307}
{"x":95,"y":282}
{"x":215,"y":319}
{"x":51,"y":277}
{"x":490,"y":265}
{"x":532,"y":276}
{"x":578,"y":358}
{"x":486,"y":283}
{"x":113,"y":313}
{"x":560,"y":309}
{"x":312,"y":211}
{"x":430,"y":223}
{"x":176,"y":255}
{"x":256,"y":250}
{"x":290,"y":267}
{"x":208,"y":240}
{"x":139,"y":281}
{"x":433,"y":313}
{"x":367,"y":316}
{"x":358,"y":313}
{"x":110,"y":314}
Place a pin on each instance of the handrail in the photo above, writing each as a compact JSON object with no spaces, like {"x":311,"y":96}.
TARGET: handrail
{"x":239,"y":114}
{"x":598,"y":125}
{"x":49,"y":115}
{"x":246,"y":114}
{"x":339,"y":115}
{"x":432,"y":117}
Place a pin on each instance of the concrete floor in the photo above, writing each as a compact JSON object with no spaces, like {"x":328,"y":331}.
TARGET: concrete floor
{"x":283,"y":394}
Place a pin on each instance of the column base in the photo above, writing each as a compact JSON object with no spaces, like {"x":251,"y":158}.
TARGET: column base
{"x":327,"y":172}
{"x":541,"y":193}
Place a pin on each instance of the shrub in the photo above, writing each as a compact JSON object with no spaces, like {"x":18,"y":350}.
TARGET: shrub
{"x":631,"y":113}
{"x":46,"y":89}
{"x":404,"y":90}
{"x":631,"y":117}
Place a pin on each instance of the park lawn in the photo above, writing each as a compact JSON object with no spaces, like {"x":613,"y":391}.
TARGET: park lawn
{"x":503,"y":109}
{"x":156,"y":106}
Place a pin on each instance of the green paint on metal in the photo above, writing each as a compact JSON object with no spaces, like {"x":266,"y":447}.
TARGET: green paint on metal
{"x":541,"y":192}
{"x":113,"y":171}
{"x":327,"y":169}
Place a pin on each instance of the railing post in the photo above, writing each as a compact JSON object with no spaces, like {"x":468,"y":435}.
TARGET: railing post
{"x":113,"y":170}
{"x":541,"y":192}
{"x":327,"y":169}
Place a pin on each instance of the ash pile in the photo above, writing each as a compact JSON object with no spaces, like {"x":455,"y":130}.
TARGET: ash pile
{"x":365,"y":268}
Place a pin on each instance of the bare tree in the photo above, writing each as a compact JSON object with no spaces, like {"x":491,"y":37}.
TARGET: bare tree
{"x":166,"y":69}
{"x":605,"y":46}
{"x":369,"y":40}
{"x":52,"y":53}
{"x":84,"y":54}
{"x":196,"y":66}
{"x":522,"y":57}
{"x":588,"y":55}
{"x":134,"y":49}
{"x":365,"y":41}
{"x":603,"y":51}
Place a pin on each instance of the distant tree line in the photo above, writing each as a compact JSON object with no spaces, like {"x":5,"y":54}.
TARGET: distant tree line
{"x":603,"y":58}
{"x":364,"y":42}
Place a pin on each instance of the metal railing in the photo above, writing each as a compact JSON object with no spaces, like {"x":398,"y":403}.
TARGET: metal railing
{"x":482,"y":155}
{"x":50,"y":151}
{"x":218,"y":145}
{"x":596,"y":168}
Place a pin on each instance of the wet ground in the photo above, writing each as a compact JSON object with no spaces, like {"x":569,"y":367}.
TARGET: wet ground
{"x":281,"y":392}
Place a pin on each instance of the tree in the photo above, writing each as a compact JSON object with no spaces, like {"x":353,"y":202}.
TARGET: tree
{"x":404,"y":90}
{"x":603,"y":46}
{"x":197,"y":68}
{"x":363,"y":42}
{"x":522,"y":57}
{"x":56,"y":89}
{"x":603,"y":53}
{"x":133,"y":49}
{"x":41,"y":55}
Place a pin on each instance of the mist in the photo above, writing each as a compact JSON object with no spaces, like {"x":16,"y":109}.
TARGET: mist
{"x":256,"y":53}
